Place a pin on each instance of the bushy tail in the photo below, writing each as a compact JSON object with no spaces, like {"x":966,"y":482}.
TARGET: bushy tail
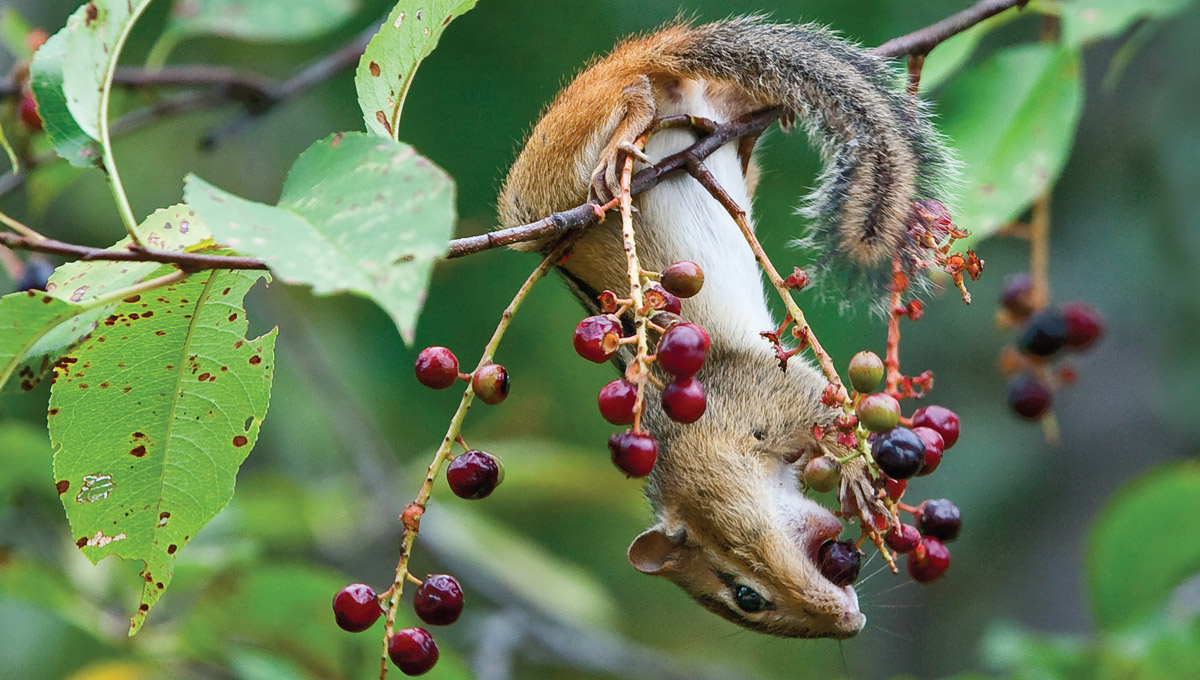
{"x":880,"y":150}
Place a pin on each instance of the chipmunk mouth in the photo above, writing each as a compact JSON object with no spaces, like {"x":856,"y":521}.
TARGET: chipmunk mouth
{"x":824,"y":526}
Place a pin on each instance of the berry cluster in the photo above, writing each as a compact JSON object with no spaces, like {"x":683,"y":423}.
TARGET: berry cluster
{"x":680,"y":353}
{"x":901,"y":448}
{"x":1044,"y":333}
{"x":437,"y":602}
{"x":437,"y":368}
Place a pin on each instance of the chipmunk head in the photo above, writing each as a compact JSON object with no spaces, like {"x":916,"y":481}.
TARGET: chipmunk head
{"x":735,"y":532}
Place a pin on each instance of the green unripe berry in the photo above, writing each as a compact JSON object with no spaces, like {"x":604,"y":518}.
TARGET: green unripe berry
{"x":822,"y":473}
{"x":866,"y":371}
{"x":878,"y":412}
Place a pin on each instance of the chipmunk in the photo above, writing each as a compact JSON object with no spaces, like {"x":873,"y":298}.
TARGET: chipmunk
{"x":734,"y":529}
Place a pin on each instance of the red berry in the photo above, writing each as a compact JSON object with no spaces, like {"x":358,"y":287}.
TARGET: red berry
{"x":597,"y":338}
{"x":904,"y":540}
{"x":938,"y":418}
{"x":683,"y":278}
{"x":895,"y":487}
{"x":934,"y":447}
{"x":490,"y":383}
{"x":1044,"y":334}
{"x":474,"y":475}
{"x":633,"y":452}
{"x":878,"y":412}
{"x":413,"y":650}
{"x":1017,"y":295}
{"x":1084,"y":325}
{"x":839,"y":561}
{"x":684,"y":400}
{"x":940,"y":519}
{"x":437,"y":367}
{"x":929,"y":561}
{"x":356,"y":607}
{"x":28,"y":111}
{"x":439,"y":600}
{"x":1028,"y":397}
{"x":617,"y":400}
{"x":681,"y":349}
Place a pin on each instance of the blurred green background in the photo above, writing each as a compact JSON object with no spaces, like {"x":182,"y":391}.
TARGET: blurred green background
{"x":550,"y":594}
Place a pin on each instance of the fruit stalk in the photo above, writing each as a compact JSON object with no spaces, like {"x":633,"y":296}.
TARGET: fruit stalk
{"x":412,"y":514}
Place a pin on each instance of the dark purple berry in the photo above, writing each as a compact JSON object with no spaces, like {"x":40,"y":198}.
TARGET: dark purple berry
{"x":1028,"y":397}
{"x":1084,"y":325}
{"x":439,"y":600}
{"x":683,"y":278}
{"x":939,"y":518}
{"x":903,"y":540}
{"x":633,"y":452}
{"x":1044,"y":334}
{"x":839,"y":561}
{"x":929,"y":561}
{"x":684,"y":400}
{"x":866,"y":371}
{"x":36,"y":275}
{"x":1017,"y":295}
{"x":938,"y":418}
{"x":878,"y":412}
{"x":356,"y":607}
{"x":899,"y":452}
{"x":597,"y":338}
{"x":413,"y":650}
{"x":474,"y":474}
{"x":934,"y":446}
{"x":682,"y":349}
{"x":617,"y":400}
{"x":437,"y":367}
{"x":490,"y":383}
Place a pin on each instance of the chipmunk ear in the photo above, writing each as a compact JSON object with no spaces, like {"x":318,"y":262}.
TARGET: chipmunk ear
{"x":654,"y":549}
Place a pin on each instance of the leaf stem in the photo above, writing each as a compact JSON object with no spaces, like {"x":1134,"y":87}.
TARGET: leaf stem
{"x":20,"y":228}
{"x":110,"y":164}
{"x":412,"y":514}
{"x":135,"y":289}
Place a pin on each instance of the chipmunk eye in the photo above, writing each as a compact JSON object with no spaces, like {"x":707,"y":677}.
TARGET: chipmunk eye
{"x":748,"y":599}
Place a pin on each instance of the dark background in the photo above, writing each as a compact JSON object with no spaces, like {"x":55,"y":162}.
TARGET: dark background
{"x":349,"y":430}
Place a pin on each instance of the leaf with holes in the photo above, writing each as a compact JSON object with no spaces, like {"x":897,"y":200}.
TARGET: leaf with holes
{"x":390,"y":62}
{"x":46,"y":80}
{"x":358,"y":213}
{"x":175,"y":229}
{"x":151,"y":417}
{"x":1013,"y":120}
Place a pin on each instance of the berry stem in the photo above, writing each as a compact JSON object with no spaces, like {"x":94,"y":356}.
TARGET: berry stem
{"x":801,"y":331}
{"x":892,"y":360}
{"x":1039,"y":251}
{"x":641,"y":362}
{"x":412,"y":514}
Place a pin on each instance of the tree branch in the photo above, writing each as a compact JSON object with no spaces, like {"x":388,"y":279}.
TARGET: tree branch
{"x":918,"y":42}
{"x":185,"y":261}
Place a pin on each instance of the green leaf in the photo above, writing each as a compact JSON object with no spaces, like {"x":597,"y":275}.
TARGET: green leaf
{"x":46,"y":80}
{"x":387,"y":67}
{"x":948,"y":57}
{"x":1127,"y":586}
{"x":358,"y":213}
{"x":175,"y":229}
{"x":152,"y":416}
{"x":1085,"y":21}
{"x":24,"y":318}
{"x":95,"y":34}
{"x":259,"y":20}
{"x":1013,"y":120}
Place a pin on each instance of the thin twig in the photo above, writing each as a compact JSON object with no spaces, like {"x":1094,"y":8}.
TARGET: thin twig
{"x":184,"y":260}
{"x":412,"y":514}
{"x":924,"y":40}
